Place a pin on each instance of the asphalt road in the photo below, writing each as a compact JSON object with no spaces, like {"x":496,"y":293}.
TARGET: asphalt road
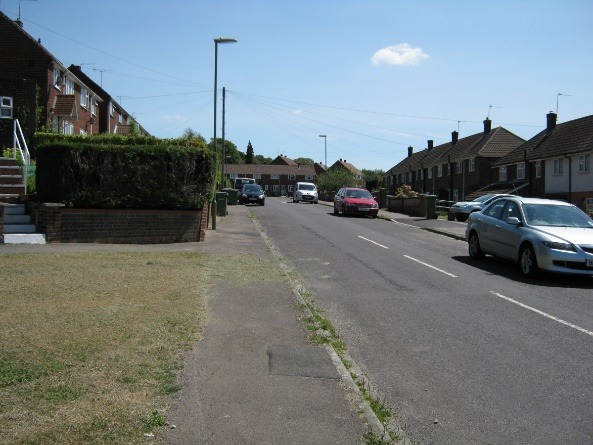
{"x":464,"y":352}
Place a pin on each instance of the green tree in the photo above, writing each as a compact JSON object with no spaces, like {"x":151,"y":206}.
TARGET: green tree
{"x":262,"y":160}
{"x":190,"y":134}
{"x":373,"y":178}
{"x":249,"y":154}
{"x":304,"y":161}
{"x":233,"y":156}
{"x":332,"y":180}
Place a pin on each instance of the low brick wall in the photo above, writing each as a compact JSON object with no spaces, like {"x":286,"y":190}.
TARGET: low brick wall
{"x":408,"y":206}
{"x":119,"y":226}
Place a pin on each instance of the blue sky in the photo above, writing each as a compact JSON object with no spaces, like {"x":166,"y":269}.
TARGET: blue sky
{"x":374,"y":76}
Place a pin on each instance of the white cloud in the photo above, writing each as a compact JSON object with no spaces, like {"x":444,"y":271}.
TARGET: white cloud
{"x":174,"y":117}
{"x":297,"y":112}
{"x":401,"y":54}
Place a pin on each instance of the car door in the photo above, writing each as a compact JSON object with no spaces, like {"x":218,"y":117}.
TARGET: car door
{"x":489,"y":224}
{"x":507,"y":237}
{"x":338,"y":200}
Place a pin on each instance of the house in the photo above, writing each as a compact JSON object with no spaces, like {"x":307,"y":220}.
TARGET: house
{"x":277,"y":178}
{"x":357,"y":174}
{"x":555,"y":163}
{"x":39,"y":91}
{"x":458,"y":168}
{"x":114,"y":119}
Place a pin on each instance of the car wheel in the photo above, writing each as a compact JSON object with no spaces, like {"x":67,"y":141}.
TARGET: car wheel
{"x":475,"y":251}
{"x":528,"y":261}
{"x":461,"y":217}
{"x":336,"y":211}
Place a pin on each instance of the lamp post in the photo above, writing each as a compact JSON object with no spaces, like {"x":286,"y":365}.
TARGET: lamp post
{"x":216,"y":42}
{"x":325,"y":144}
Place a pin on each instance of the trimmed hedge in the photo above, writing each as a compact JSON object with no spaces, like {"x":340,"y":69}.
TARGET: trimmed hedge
{"x":101,"y":174}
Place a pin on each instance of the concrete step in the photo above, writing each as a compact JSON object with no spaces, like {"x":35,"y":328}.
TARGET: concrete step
{"x":17,"y":219}
{"x":10,"y":170}
{"x":9,"y":198}
{"x":11,"y":179}
{"x":19,"y":228}
{"x":24,"y":238}
{"x":14,"y":209}
{"x":12,"y":189}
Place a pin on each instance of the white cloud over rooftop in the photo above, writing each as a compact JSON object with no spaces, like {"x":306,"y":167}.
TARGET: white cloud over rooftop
{"x":400,"y":54}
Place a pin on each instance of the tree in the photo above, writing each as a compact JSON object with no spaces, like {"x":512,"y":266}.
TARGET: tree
{"x":373,"y":178}
{"x":249,"y":154}
{"x":304,"y":161}
{"x":233,"y":156}
{"x":262,"y":160}
{"x":190,"y":134}
{"x":332,"y":180}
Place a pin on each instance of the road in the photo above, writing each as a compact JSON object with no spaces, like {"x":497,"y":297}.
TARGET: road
{"x":464,"y":352}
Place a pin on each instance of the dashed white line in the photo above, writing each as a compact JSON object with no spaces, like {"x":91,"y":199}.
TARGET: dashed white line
{"x":432,"y":267}
{"x":537,"y":311}
{"x":371,"y":241}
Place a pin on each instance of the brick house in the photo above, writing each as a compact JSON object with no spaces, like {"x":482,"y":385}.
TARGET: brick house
{"x":39,"y":91}
{"x":458,"y":168}
{"x":357,"y":174}
{"x":277,"y":178}
{"x":556,"y":163}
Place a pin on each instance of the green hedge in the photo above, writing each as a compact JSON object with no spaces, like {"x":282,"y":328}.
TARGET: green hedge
{"x":143,"y":173}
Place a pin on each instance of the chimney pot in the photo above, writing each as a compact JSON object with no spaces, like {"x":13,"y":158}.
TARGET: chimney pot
{"x":410,"y":151}
{"x":430,"y":144}
{"x":454,"y":137}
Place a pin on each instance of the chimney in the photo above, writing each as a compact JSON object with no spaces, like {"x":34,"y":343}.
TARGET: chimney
{"x":410,"y":151}
{"x":19,"y":22}
{"x":430,"y":144}
{"x":487,"y":126}
{"x":454,"y":137}
{"x":551,"y":121}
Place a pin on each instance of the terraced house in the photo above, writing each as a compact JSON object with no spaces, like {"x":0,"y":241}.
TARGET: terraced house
{"x":456,"y":170}
{"x":555,"y":163}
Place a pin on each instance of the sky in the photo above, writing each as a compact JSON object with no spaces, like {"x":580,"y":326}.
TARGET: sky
{"x":374,"y":76}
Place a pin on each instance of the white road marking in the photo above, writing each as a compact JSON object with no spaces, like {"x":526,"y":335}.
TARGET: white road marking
{"x":404,"y":224}
{"x":537,"y":311}
{"x":371,"y":241}
{"x":432,"y":267}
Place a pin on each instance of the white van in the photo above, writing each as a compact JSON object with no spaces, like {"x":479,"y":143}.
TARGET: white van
{"x":240,"y":182}
{"x":305,"y":191}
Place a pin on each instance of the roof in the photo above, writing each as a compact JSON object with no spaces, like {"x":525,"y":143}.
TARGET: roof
{"x":570,"y":137}
{"x":347,"y":166}
{"x":283,"y":160}
{"x":491,"y":144}
{"x":65,"y":105}
{"x":270,"y":169}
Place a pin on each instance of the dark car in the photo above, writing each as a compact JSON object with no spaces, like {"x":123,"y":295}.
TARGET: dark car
{"x":355,"y":201}
{"x":252,"y":194}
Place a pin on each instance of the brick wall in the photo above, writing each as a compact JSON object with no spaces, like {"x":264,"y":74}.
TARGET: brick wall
{"x":118,"y":226}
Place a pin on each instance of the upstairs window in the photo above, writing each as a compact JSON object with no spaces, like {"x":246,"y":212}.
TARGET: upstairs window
{"x":459,"y":167}
{"x":275,"y":176}
{"x":57,"y":77}
{"x":440,"y":170}
{"x":5,"y":107}
{"x":429,"y":173}
{"x":69,"y":86}
{"x":84,"y":98}
{"x":472,"y":165}
{"x":584,"y":163}
{"x":521,"y":170}
{"x":558,"y":166}
{"x":291,"y":177}
{"x":502,"y":173}
{"x":538,"y":169}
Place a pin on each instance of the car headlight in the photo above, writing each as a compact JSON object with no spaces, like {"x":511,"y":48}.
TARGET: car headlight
{"x":559,"y":246}
{"x":260,"y":197}
{"x":243,"y":195}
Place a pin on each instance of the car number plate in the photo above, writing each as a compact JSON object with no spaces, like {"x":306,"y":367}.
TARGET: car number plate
{"x":363,"y":209}
{"x":589,"y":262}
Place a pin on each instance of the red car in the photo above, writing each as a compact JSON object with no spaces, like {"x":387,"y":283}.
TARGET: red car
{"x":355,"y":201}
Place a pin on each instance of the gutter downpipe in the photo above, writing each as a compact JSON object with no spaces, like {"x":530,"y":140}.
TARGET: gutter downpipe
{"x":569,"y":178}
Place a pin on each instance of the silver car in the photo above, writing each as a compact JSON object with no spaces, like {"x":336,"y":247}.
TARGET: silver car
{"x":539,"y":234}
{"x":462,"y":209}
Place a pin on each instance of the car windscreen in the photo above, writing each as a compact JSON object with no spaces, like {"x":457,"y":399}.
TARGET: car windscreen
{"x":364,"y":194}
{"x":306,"y":186}
{"x":251,"y":188}
{"x":556,"y":215}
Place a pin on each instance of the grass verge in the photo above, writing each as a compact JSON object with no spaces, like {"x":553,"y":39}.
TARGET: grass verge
{"x":91,"y":343}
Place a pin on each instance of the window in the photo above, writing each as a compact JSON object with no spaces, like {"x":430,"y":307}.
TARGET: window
{"x":257,"y":176}
{"x":266,"y":187}
{"x":495,"y":209}
{"x":538,"y":169}
{"x":84,"y":97}
{"x":391,"y":180}
{"x":558,"y":164}
{"x":430,"y":173}
{"x":440,"y":170}
{"x":290,"y":188}
{"x":68,"y":128}
{"x":584,"y":163}
{"x":421,"y":174}
{"x":521,"y":170}
{"x":93,"y":108}
{"x":409,"y":175}
{"x":120,"y":119}
{"x":69,"y":86}
{"x":233,"y":176}
{"x":448,"y":167}
{"x":291,"y":177}
{"x":309,"y":178}
{"x":5,"y":107}
{"x":57,"y":77}
{"x":111,"y":109}
{"x":472,"y":165}
{"x":275,"y":188}
{"x":502,"y":173}
{"x":459,"y":167}
{"x":275,"y":176}
{"x":82,"y":133}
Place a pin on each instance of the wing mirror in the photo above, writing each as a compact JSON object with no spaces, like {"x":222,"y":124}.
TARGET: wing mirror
{"x":514,"y":221}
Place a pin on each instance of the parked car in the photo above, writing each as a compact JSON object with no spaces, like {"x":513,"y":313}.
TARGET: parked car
{"x":240,"y":182}
{"x":462,"y":209}
{"x":355,"y":201}
{"x":305,"y":191}
{"x":252,"y":194}
{"x":538,"y":234}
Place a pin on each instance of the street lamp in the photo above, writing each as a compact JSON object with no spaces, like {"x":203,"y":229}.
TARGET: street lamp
{"x":216,"y":42}
{"x":325,"y":144}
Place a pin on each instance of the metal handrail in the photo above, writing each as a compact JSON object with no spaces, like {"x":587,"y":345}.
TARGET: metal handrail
{"x":21,"y":145}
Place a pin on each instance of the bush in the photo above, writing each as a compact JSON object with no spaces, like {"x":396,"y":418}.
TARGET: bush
{"x":102,"y":174}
